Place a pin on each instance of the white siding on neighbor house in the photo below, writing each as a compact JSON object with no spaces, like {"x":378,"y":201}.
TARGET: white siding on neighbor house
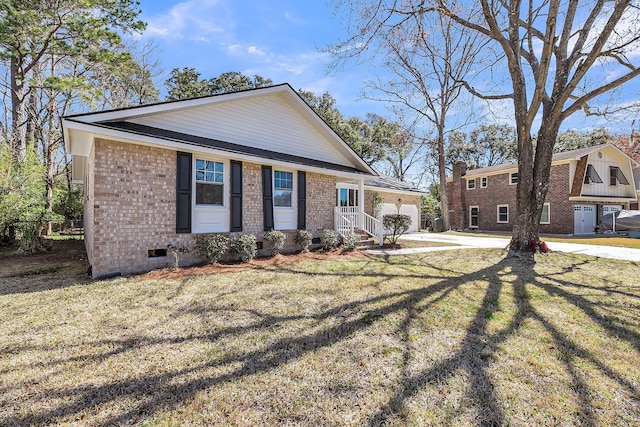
{"x":263,"y":122}
{"x":609,"y":157}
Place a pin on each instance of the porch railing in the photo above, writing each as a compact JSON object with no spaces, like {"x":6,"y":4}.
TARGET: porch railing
{"x":348,"y":219}
{"x":344,"y":222}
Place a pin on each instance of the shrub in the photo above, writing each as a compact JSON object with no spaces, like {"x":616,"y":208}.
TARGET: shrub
{"x":397,"y":224}
{"x":329,"y":239}
{"x":276,"y":240}
{"x":304,"y":239}
{"x":350,"y":242}
{"x":176,"y":252}
{"x":212,"y":246}
{"x":244,"y":247}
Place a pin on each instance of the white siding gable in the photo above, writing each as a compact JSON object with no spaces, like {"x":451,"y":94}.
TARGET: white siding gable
{"x":266,"y":122}
{"x":601,"y":161}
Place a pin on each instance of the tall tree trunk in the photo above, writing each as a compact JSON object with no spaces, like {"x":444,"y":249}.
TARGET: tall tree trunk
{"x":18,"y":130}
{"x":532,"y":189}
{"x":444,"y":199}
{"x":50,"y":147}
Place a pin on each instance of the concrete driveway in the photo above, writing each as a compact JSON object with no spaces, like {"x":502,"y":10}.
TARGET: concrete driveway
{"x":465,"y":242}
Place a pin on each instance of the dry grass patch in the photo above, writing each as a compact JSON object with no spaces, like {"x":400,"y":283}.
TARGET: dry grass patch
{"x":605,"y":240}
{"x":448,"y":338}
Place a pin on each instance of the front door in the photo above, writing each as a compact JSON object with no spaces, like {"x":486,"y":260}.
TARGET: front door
{"x":584,"y":219}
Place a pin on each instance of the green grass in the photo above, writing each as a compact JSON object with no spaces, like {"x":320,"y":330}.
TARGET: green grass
{"x":449,"y":338}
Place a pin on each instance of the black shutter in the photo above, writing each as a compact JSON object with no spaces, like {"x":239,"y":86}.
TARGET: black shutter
{"x":302,"y":200}
{"x":267,"y":198}
{"x":183,"y":193}
{"x":236,"y":195}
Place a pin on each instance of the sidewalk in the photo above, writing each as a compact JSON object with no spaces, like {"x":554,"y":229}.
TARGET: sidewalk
{"x":466,"y":242}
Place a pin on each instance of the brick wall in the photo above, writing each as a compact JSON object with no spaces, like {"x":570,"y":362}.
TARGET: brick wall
{"x":321,"y":201}
{"x":252,"y":215}
{"x":500,"y":192}
{"x":89,"y":200}
{"x":130,"y":208}
{"x":134,"y":207}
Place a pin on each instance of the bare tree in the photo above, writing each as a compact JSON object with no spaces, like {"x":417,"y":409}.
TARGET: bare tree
{"x":561,"y":58}
{"x":428,"y":55}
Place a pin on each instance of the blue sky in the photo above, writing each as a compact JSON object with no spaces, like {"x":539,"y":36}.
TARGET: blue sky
{"x":280,"y":40}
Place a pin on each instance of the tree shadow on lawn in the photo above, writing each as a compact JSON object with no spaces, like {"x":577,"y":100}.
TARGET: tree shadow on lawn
{"x":153,"y":393}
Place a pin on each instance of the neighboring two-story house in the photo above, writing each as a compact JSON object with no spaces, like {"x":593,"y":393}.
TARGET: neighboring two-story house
{"x":584,"y":185}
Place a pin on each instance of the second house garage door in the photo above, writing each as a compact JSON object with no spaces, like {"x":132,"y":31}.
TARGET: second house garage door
{"x":584,"y":219}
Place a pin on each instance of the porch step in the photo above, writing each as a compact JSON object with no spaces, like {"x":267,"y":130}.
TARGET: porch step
{"x":366,"y":243}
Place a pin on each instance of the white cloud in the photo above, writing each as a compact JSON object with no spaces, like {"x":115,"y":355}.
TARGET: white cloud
{"x":253,"y":50}
{"x":196,"y":20}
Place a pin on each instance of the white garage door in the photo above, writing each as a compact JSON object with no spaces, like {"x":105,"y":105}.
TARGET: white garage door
{"x":412,"y":211}
{"x":584,"y":219}
{"x":388,"y":209}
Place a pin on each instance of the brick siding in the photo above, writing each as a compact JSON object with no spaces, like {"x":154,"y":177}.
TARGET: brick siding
{"x":500,"y":192}
{"x":130,"y":208}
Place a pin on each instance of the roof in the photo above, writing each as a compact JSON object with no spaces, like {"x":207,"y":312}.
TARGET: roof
{"x":168,"y":135}
{"x":558,"y":157}
{"x":327,"y":150}
{"x":388,"y":183}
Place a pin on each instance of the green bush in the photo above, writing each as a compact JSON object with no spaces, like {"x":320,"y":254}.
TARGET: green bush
{"x":329,"y":239}
{"x":304,"y":239}
{"x":212,"y":246}
{"x":397,"y":224}
{"x":350,"y":242}
{"x":244,"y":247}
{"x":22,"y":200}
{"x":276,"y":241}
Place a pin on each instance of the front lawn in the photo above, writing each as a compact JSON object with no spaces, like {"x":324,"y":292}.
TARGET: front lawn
{"x":597,"y":239}
{"x":446,"y":338}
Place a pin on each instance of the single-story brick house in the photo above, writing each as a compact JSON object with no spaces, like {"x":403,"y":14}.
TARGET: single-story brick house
{"x":584,"y":185}
{"x":242,"y":162}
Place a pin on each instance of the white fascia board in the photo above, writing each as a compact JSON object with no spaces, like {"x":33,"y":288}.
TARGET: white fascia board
{"x":123,"y":136}
{"x":595,"y":199}
{"x":390,"y":190}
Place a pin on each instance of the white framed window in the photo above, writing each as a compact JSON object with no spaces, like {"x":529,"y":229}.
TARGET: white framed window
{"x":483,"y":182}
{"x":503,"y":214}
{"x":474,"y":216}
{"x":209,"y":182}
{"x":346,"y":197}
{"x":282,"y":189}
{"x":471,"y":184}
{"x":513,"y":178}
{"x":545,"y":218}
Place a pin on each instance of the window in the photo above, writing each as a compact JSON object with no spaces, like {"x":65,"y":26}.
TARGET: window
{"x":209,"y":182}
{"x":483,"y":182}
{"x":616,"y":175}
{"x":591,"y":176}
{"x":346,"y":197}
{"x":473,"y":216}
{"x":282,"y":189}
{"x":471,"y":184}
{"x":513,"y":178}
{"x":545,"y":218}
{"x":503,"y":214}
